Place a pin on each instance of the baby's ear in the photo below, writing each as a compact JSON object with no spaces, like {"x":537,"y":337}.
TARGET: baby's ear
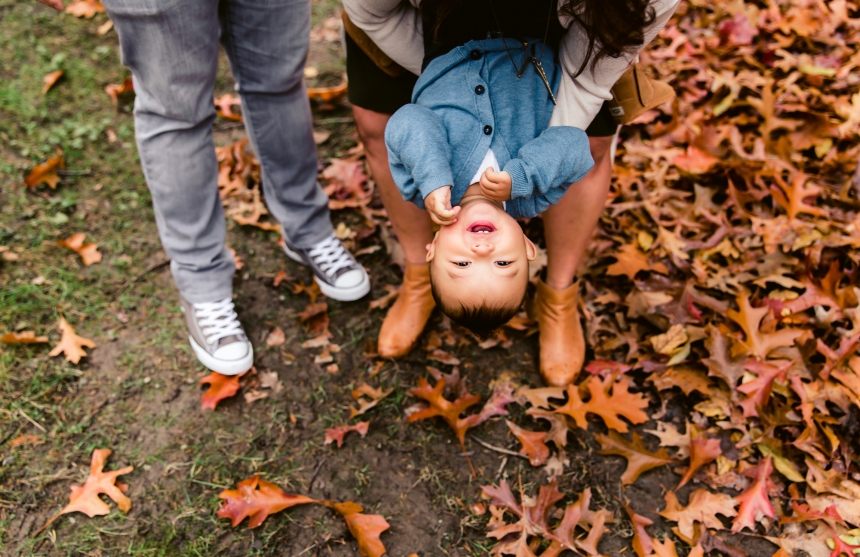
{"x":531,"y":250}
{"x":431,"y":248}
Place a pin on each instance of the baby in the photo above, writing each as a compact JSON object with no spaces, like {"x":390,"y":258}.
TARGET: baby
{"x":474,"y":149}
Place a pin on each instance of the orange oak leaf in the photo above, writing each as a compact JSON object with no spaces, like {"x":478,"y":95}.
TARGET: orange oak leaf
{"x":365,"y":528}
{"x":642,"y":544}
{"x":256,"y":499}
{"x":89,"y":253}
{"x":220,"y":387}
{"x":280,"y":277}
{"x":114,"y":91}
{"x":443,"y":357}
{"x":71,"y":344}
{"x":758,"y":390}
{"x":85,"y":8}
{"x":24,"y":337}
{"x":610,"y":407}
{"x":754,"y":501}
{"x":639,"y":459}
{"x":702,"y":451}
{"x":835,"y":358}
{"x":312,"y":310}
{"x":85,"y":499}
{"x":630,"y":260}
{"x":791,"y":197}
{"x":702,"y":507}
{"x":533,"y":445}
{"x":439,"y":406}
{"x":336,"y":434}
{"x":804,"y":513}
{"x":757,"y":343}
{"x":50,"y":79}
{"x":327,"y":94}
{"x":46,"y":172}
{"x":695,"y":161}
{"x":666,"y":548}
{"x":361,"y":394}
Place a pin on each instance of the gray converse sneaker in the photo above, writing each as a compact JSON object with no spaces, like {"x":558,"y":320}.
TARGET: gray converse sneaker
{"x":217,"y":337}
{"x":338,"y":274}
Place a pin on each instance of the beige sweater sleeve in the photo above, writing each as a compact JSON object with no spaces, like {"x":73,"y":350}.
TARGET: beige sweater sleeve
{"x":580,"y":97}
{"x":394,"y":26}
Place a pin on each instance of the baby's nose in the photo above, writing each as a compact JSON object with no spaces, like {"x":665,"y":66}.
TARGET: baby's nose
{"x":483,"y":248}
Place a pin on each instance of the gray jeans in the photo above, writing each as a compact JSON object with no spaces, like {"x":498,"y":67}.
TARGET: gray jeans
{"x":171,"y":47}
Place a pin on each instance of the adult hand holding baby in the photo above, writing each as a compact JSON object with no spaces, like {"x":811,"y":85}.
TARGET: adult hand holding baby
{"x":496,"y":185}
{"x":438,"y":204}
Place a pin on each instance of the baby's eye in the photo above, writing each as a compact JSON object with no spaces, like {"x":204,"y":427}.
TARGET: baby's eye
{"x":503,"y":263}
{"x":461,"y":263}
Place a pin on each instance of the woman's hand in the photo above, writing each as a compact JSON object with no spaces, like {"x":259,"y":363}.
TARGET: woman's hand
{"x":56,"y":4}
{"x":496,"y":185}
{"x":438,"y":204}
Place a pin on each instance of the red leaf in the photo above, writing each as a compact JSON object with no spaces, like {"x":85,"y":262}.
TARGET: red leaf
{"x":702,"y":451}
{"x":336,"y":434}
{"x":366,"y":528}
{"x":759,"y":388}
{"x":256,"y":504}
{"x":533,"y":443}
{"x":754,"y":500}
{"x":220,"y":387}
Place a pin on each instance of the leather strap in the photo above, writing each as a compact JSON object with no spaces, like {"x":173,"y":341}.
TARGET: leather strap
{"x":382,"y":60}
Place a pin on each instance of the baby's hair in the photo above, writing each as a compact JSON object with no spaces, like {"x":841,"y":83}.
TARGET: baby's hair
{"x":480,"y":319}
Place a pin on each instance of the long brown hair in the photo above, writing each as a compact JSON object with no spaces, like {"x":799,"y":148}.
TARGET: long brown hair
{"x":611,"y":26}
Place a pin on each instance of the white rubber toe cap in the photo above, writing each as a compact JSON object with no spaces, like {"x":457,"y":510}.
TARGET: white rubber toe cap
{"x":350,"y":279}
{"x":233,"y":351}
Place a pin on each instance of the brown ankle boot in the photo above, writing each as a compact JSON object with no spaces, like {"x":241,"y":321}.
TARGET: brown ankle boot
{"x":406,"y":319}
{"x":635,"y":93}
{"x":562,"y":344}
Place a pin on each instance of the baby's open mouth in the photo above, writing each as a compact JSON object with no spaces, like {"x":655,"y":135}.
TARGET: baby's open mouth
{"x":481,"y":227}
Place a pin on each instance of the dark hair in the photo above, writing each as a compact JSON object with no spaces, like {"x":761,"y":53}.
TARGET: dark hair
{"x":481,"y":320}
{"x":612,"y":26}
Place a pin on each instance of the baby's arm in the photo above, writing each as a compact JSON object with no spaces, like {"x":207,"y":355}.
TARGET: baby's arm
{"x":546,"y":166}
{"x":420,"y":159}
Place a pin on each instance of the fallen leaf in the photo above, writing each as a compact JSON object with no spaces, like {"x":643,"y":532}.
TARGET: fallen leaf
{"x":276,"y":337}
{"x":365,"y":528}
{"x":336,"y":434}
{"x":533,"y":446}
{"x":630,"y":261}
{"x":85,"y":8}
{"x":23,"y":337}
{"x":639,"y":458}
{"x":611,"y":407}
{"x":367,"y":398}
{"x":51,"y":79}
{"x":444,"y":357}
{"x":220,"y":387}
{"x":71,"y":345}
{"x":86,"y":499}
{"x":224,"y":107}
{"x":327,"y":94}
{"x":757,"y":343}
{"x":115,"y":91}
{"x":46,"y":172}
{"x":702,"y":507}
{"x":754,"y":502}
{"x":642,"y":544}
{"x":256,"y":499}
{"x":702,"y":451}
{"x":384,"y":301}
{"x":89,"y":253}
{"x":439,"y":406}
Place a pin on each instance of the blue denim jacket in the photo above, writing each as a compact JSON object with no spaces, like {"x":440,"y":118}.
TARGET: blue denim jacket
{"x":470,"y":100}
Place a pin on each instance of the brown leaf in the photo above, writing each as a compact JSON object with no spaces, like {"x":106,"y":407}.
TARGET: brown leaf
{"x":336,"y":434}
{"x":533,"y":445}
{"x":280,"y":277}
{"x":611,"y":407}
{"x":85,"y":8}
{"x":89,"y":253}
{"x":384,"y":301}
{"x":375,"y":396}
{"x":365,"y":528}
{"x":702,"y":451}
{"x":630,"y":260}
{"x":695,"y":161}
{"x":256,"y":499}
{"x":220,"y":387}
{"x":23,"y":337}
{"x":276,"y":337}
{"x":757,"y":343}
{"x":71,"y":344}
{"x":642,"y":544}
{"x":115,"y":91}
{"x":86,"y":499}
{"x":754,"y":501}
{"x":639,"y":459}
{"x":703,"y":507}
{"x":46,"y":172}
{"x":312,"y":310}
{"x":443,"y":357}
{"x":439,"y":406}
{"x":50,"y":79}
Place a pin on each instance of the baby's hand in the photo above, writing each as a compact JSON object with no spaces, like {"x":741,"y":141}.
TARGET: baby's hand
{"x":496,"y":185}
{"x":438,"y":204}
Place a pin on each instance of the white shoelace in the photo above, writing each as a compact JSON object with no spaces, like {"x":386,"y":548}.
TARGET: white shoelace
{"x":217,"y":320}
{"x":330,"y":256}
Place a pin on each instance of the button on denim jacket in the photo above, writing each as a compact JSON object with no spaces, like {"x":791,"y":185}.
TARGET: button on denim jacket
{"x":470,"y":100}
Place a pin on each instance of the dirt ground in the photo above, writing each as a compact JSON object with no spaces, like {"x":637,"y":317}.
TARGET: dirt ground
{"x":137,"y":393}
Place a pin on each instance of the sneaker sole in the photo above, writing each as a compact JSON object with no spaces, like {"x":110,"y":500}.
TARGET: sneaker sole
{"x":350,"y":294}
{"x":230,"y":367}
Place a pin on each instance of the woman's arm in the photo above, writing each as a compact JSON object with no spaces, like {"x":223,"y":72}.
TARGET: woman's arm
{"x":580,"y":97}
{"x":395,"y":27}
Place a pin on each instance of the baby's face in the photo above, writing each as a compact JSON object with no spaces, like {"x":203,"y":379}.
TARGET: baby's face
{"x":483,"y":258}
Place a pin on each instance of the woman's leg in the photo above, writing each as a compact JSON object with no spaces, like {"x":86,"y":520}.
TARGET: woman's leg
{"x":411,"y":224}
{"x":569,"y":224}
{"x":568,"y":227}
{"x":405,"y":321}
